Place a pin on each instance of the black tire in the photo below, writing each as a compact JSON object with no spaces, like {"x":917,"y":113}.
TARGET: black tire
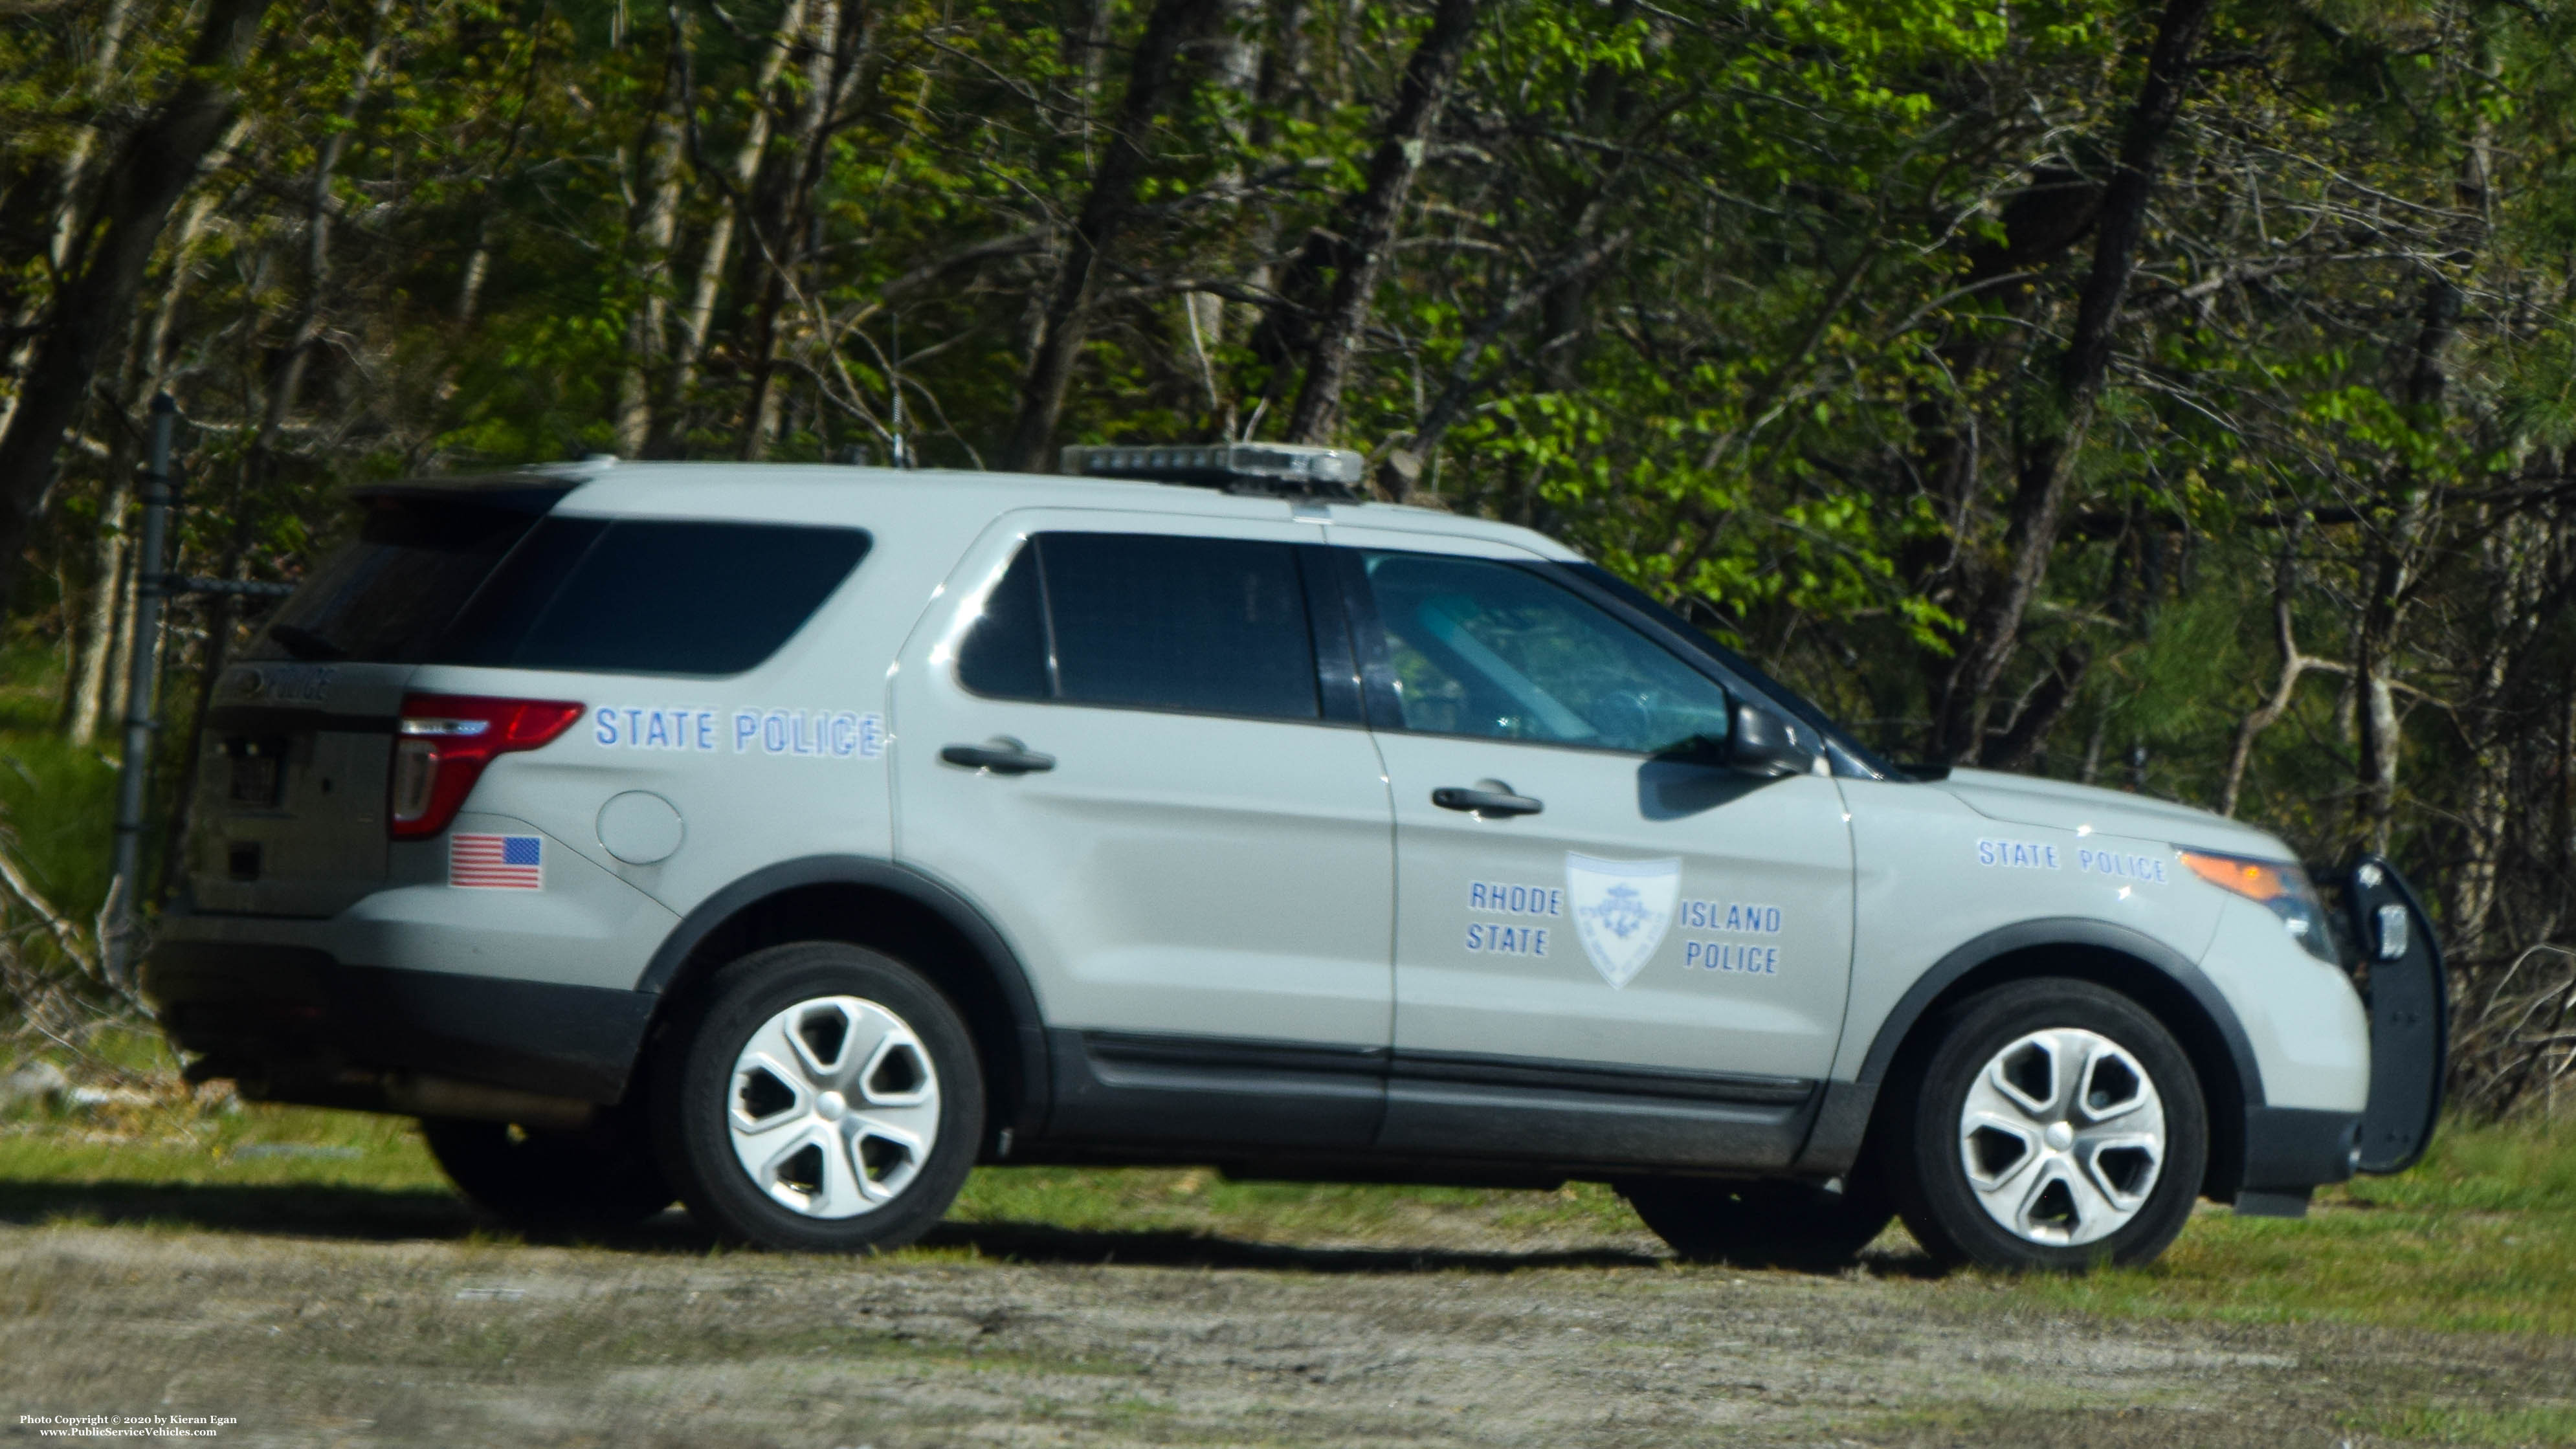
{"x":601,"y":1176}
{"x":1928,"y":1144}
{"x":1761,"y":1224}
{"x":696,"y":1088}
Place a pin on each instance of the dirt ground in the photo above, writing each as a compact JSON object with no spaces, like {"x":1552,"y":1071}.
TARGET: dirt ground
{"x":388,"y":1318}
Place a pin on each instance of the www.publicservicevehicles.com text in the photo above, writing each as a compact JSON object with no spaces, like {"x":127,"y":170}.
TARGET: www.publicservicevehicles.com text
{"x":127,"y":1426}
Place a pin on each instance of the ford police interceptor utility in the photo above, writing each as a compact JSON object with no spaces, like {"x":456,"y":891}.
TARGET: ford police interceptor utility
{"x":787,"y":840}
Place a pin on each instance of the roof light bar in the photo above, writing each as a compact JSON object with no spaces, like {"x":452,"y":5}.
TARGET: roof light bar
{"x":1235,"y":467}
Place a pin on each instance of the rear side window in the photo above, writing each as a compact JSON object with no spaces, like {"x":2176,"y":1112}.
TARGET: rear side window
{"x":388,"y":596}
{"x":1149,"y":621}
{"x":651,"y":596}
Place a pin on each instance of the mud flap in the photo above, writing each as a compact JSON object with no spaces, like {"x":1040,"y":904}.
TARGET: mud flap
{"x":2410,"y":1015}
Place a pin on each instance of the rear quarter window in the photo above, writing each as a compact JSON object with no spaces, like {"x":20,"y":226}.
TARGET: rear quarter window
{"x":651,"y":596}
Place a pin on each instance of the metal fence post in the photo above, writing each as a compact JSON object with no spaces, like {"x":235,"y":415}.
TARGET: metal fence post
{"x":142,"y":683}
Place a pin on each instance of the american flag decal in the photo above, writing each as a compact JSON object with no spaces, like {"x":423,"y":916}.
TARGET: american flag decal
{"x":497,"y":862}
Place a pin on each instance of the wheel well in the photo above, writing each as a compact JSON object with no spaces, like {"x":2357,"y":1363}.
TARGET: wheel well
{"x":2168,"y":1000}
{"x":884,"y":920}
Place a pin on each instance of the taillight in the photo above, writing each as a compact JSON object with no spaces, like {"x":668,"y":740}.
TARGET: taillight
{"x":442,"y":743}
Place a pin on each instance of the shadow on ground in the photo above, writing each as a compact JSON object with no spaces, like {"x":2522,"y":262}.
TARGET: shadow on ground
{"x":362,"y":1214}
{"x":381,"y":1215}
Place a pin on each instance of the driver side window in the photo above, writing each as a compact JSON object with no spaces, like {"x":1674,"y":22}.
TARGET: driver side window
{"x":1483,"y":648}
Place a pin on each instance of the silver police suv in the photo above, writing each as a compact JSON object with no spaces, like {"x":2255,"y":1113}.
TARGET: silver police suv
{"x":788,"y":840}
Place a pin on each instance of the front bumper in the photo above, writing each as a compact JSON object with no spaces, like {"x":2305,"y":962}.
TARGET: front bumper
{"x":293,"y":1024}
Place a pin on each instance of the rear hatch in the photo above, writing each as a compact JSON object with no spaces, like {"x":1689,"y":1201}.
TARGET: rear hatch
{"x":289,"y":814}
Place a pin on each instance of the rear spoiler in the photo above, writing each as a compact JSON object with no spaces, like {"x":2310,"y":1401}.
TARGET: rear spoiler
{"x":531,"y":491}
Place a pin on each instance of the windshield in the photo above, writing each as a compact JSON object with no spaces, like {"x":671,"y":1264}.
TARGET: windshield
{"x":1850,"y":755}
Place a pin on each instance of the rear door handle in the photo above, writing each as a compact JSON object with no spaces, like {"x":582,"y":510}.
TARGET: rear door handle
{"x":1002,"y":757}
{"x":1485,"y":802}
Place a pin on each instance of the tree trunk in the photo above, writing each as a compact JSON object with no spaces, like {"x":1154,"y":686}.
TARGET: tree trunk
{"x":107,"y":611}
{"x":651,"y":224}
{"x":2397,"y":551}
{"x":286,"y":377}
{"x":152,"y":170}
{"x":1368,"y":222}
{"x":779,"y":231}
{"x":1150,"y":78}
{"x":690,"y":349}
{"x":2047,"y":464}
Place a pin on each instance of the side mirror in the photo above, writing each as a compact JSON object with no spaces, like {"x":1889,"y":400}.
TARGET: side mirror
{"x":1762,"y":743}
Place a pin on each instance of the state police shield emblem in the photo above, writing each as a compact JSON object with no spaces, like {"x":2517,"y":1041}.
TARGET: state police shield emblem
{"x":1621,"y":909}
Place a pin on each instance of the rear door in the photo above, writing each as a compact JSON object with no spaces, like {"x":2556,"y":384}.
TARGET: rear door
{"x":1120,"y":738}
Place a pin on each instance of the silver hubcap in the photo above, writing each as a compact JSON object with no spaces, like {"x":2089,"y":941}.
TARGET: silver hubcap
{"x":835,"y":1107}
{"x":2063,"y":1137}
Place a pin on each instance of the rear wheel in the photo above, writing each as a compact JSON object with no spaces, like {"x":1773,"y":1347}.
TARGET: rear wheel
{"x":828,"y":1100}
{"x":1761,"y":1224}
{"x":2058,"y":1126}
{"x":600,"y":1176}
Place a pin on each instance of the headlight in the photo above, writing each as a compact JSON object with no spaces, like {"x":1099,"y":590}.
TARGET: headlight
{"x":2280,"y":888}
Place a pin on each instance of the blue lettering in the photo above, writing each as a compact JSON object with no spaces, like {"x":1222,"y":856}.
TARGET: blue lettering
{"x":773,"y":732}
{"x":634,"y":726}
{"x":707,"y":730}
{"x":606,"y":734}
{"x":746,"y":726}
{"x":871,"y":735}
{"x":658,"y":732}
{"x":845,"y":735}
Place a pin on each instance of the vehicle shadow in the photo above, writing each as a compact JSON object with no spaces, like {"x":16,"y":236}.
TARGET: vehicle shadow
{"x":384,"y":1215}
{"x":1021,"y":1242}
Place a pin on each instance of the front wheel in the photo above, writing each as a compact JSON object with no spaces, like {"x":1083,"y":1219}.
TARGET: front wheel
{"x":2058,"y":1126}
{"x":829,"y":1100}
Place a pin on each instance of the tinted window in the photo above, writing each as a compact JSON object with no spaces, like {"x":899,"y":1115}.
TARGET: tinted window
{"x":1006,"y":655}
{"x":651,"y":596}
{"x":386,"y":597}
{"x":1199,"y":625}
{"x":1484,"y":648}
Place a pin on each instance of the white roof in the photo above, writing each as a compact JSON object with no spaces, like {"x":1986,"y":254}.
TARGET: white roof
{"x":823,"y":493}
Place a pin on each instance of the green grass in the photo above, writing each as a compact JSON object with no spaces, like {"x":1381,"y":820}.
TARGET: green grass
{"x":2479,"y":1237}
{"x":57,"y":799}
{"x":2472,"y":1424}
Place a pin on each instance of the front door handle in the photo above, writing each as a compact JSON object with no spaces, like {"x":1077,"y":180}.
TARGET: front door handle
{"x":1485,"y":802}
{"x":1001,"y":756}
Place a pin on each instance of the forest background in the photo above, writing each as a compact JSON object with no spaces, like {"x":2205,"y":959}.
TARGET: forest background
{"x":2176,"y":398}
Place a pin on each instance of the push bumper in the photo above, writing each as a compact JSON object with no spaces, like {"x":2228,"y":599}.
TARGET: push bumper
{"x":2290,"y":1151}
{"x":294,"y":1024}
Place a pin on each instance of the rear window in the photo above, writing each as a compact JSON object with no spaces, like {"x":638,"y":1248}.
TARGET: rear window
{"x":444,"y":582}
{"x":651,"y":596}
{"x":1148,"y":621}
{"x":387,"y":596}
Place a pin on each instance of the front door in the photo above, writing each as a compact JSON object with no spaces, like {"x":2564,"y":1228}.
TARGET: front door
{"x":1607,"y":948}
{"x":1120,"y":740}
